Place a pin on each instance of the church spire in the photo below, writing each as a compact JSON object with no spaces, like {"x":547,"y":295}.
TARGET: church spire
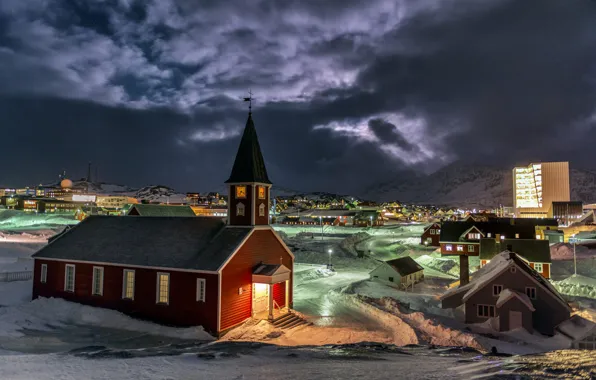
{"x":249,"y":165}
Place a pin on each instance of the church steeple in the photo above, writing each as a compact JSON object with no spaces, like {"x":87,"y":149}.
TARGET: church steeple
{"x":249,"y":185}
{"x":249,"y":165}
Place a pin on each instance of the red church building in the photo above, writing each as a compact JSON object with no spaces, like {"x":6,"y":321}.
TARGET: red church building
{"x":181,"y":271}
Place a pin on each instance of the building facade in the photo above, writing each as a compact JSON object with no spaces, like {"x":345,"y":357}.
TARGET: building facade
{"x":178,"y":270}
{"x":537,"y":186}
{"x":431,"y":235}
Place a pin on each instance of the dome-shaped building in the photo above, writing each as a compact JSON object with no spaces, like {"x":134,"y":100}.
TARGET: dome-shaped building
{"x":66,"y":184}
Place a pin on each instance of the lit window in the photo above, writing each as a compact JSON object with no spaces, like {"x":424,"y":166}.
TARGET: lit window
{"x":437,"y":232}
{"x":531,"y":293}
{"x":538,"y":237}
{"x":262,"y":209}
{"x":240,"y":191}
{"x":538,"y":267}
{"x":201,"y":282}
{"x":240,"y":209}
{"x":44,"y":273}
{"x":261,"y":192}
{"x":432,"y":231}
{"x":497,"y":289}
{"x":502,"y":237}
{"x":470,"y":248}
{"x":128,"y":287}
{"x":486,"y":311}
{"x":163,"y":287}
{"x":517,"y":236}
{"x":69,"y":278}
{"x":97,"y":281}
{"x":489,"y":235}
{"x":460,"y":248}
{"x":449,"y":247}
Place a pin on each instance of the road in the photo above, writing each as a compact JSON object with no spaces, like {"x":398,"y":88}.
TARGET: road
{"x":315,"y":299}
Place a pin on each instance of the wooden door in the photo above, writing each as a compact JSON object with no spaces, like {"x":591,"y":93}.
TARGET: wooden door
{"x":260,"y":298}
{"x":515,"y":320}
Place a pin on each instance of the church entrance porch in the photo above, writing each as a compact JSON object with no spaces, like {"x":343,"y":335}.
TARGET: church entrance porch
{"x":270,"y":291}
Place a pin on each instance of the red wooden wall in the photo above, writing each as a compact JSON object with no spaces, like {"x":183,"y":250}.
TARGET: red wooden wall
{"x":279,"y":293}
{"x":262,"y":246}
{"x":182,"y":310}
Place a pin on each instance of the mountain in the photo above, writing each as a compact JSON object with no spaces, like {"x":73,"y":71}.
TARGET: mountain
{"x":159,"y":193}
{"x":469,"y":185}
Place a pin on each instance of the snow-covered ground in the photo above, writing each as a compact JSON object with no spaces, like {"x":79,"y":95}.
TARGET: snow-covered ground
{"x":14,"y":220}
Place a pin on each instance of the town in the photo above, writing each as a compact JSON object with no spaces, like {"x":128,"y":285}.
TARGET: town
{"x":303,"y":269}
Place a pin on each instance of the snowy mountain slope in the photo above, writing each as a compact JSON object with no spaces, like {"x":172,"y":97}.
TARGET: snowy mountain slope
{"x":161,"y":194}
{"x":469,"y":185}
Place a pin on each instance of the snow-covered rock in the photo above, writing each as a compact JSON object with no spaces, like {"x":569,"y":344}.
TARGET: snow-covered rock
{"x":159,"y":193}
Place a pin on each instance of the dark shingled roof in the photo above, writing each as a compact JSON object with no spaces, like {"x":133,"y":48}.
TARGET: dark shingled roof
{"x":161,"y":210}
{"x":533,"y":250}
{"x":249,"y":165}
{"x":200,"y":243}
{"x":452,"y":231}
{"x":405,"y":265}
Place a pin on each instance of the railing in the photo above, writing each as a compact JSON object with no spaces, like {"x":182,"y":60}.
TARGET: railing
{"x":16,"y":276}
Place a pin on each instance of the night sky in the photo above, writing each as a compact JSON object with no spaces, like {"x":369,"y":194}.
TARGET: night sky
{"x":348,"y":92}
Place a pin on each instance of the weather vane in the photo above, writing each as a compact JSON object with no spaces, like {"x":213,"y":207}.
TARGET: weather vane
{"x":249,"y":100}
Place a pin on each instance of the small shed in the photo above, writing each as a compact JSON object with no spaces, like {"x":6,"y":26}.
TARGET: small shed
{"x":581,"y":331}
{"x":402,"y":272}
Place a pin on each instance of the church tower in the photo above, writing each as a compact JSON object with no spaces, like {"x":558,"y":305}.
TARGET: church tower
{"x":249,"y":188}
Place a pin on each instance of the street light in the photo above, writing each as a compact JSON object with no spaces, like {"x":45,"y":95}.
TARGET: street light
{"x":371,"y":220}
{"x":330,"y":251}
{"x":574,"y":260}
{"x":321,"y":221}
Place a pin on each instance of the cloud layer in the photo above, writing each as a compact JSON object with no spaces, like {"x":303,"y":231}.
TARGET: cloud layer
{"x":346,"y":92}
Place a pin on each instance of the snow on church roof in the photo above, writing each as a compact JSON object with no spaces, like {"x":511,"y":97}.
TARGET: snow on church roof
{"x":507,"y":294}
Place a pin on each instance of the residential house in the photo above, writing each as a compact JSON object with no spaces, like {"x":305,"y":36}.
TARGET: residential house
{"x":431,"y":234}
{"x":181,"y":271}
{"x":403,"y":272}
{"x":509,"y":294}
{"x":535,"y":253}
{"x":146,"y":209}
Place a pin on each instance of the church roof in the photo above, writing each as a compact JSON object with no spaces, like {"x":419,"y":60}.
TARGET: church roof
{"x":160,"y":210}
{"x":195,"y":243}
{"x":249,"y":165}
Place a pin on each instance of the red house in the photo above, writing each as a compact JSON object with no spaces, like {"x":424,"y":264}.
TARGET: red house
{"x":431,"y":234}
{"x":180,"y":271}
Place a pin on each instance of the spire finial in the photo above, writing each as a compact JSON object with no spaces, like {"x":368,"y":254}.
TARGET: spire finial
{"x":249,"y":100}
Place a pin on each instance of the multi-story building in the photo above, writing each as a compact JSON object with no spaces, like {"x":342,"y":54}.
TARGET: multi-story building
{"x":537,"y":186}
{"x":566,"y":213}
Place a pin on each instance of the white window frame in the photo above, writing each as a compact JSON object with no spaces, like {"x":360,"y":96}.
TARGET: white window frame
{"x":517,"y":236}
{"x":125,"y":283}
{"x":490,"y":307}
{"x":538,"y":265}
{"x":432,"y":231}
{"x":438,"y":231}
{"x":449,"y":247}
{"x":471,"y":248}
{"x":489,"y":234}
{"x":262,"y":209}
{"x":158,"y":289}
{"x":66,"y":289}
{"x":93,"y":292}
{"x":201,"y":283}
{"x":43,"y":276}
{"x":460,"y":248}
{"x":495,"y":287}
{"x":531,"y":288}
{"x":240,"y":209}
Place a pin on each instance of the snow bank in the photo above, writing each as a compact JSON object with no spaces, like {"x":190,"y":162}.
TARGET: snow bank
{"x":441,"y":264}
{"x":14,"y":220}
{"x":15,"y":293}
{"x":577,"y":285}
{"x":349,"y":243}
{"x":311,"y":274}
{"x":564,"y":251}
{"x":47,"y":313}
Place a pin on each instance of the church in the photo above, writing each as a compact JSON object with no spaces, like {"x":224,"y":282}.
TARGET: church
{"x":179,"y":271}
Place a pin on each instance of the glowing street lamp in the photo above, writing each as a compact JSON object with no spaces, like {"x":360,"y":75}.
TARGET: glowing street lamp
{"x":330,"y":251}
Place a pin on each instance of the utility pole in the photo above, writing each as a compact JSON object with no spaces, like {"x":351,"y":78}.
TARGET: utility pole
{"x":574,"y":259}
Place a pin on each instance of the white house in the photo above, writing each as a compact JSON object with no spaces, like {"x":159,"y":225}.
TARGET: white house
{"x":401,"y":273}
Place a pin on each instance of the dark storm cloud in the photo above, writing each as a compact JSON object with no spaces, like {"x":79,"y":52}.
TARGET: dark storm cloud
{"x":347,"y":92}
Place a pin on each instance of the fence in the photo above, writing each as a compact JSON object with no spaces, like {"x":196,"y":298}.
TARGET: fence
{"x":16,"y":276}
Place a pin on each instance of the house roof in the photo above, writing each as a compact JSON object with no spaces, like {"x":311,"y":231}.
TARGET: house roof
{"x":533,"y":250}
{"x":249,"y":165}
{"x":162,"y":210}
{"x":404,"y":265}
{"x":577,"y":328}
{"x":196,"y":243}
{"x":432,"y":225}
{"x":508,"y":294}
{"x":453,"y":231}
{"x":270,"y":269}
{"x":494,"y":268}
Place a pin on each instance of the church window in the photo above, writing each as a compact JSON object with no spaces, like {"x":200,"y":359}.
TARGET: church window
{"x":262,"y":209}
{"x":240,"y":209}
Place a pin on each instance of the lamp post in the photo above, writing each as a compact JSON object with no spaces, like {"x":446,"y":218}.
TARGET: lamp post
{"x":371,"y":221}
{"x":330,"y":251}
{"x":321,"y":221}
{"x":574,"y":259}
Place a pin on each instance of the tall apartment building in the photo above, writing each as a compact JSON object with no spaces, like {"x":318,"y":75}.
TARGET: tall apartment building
{"x":537,"y":186}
